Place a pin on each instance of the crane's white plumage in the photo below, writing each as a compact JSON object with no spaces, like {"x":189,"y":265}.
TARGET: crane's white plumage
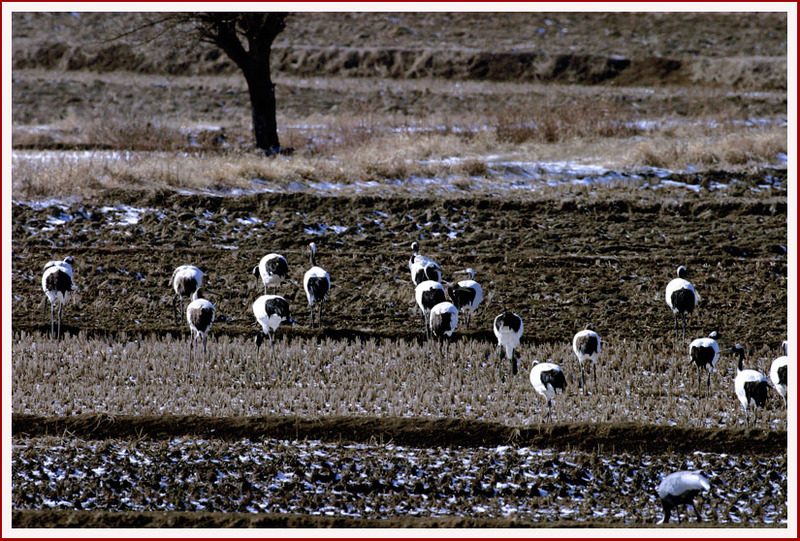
{"x":751,"y":387}
{"x":428,"y":294}
{"x":681,"y":488}
{"x":778,"y":373}
{"x":547,"y":379}
{"x":317,"y":283}
{"x":57,"y":284}
{"x":422,"y":267}
{"x":586,"y":345}
{"x":66,"y":263}
{"x":273,"y":269}
{"x":681,"y":298}
{"x":443,"y":321}
{"x":508,"y":328}
{"x":200,"y":315}
{"x":270,"y":311}
{"x":704,"y":353}
{"x":186,"y":280}
{"x":466,"y":295}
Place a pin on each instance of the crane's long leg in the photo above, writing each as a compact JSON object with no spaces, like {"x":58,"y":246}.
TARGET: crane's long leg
{"x":175,"y":302}
{"x":683,"y":317}
{"x":676,"y":326}
{"x":699,"y":518}
{"x":60,"y":310}
{"x":52,"y":320}
{"x":667,"y":512}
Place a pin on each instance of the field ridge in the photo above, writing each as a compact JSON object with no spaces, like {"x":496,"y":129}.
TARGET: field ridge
{"x":764,"y":73}
{"x":416,"y":432}
{"x":50,"y":518}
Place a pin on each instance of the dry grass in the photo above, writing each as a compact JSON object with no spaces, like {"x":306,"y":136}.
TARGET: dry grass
{"x":636,"y":383}
{"x":730,"y":150}
{"x":367,"y":152}
{"x":346,"y":130}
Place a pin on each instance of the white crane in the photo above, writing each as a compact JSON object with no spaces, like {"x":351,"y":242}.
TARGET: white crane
{"x":778,"y":373}
{"x":200,"y":315}
{"x":751,"y":387}
{"x":681,"y":298}
{"x":428,"y":294}
{"x":466,"y":295}
{"x":270,"y":312}
{"x":273,"y":269}
{"x":443,"y":321}
{"x":57,"y":284}
{"x":186,"y":280}
{"x":423,"y":268}
{"x":547,"y":379}
{"x":586,"y":345}
{"x":704,"y":352}
{"x":508,"y":330}
{"x":317,"y":283}
{"x":681,"y":488}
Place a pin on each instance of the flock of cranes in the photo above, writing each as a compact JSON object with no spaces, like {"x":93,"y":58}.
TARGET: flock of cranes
{"x":441,"y":317}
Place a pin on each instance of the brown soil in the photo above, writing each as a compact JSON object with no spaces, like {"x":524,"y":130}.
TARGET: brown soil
{"x":559,"y":264}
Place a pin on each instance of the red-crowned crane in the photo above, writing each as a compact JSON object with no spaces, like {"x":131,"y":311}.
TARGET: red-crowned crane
{"x":273,"y":269}
{"x":200,"y":315}
{"x":428,"y":294}
{"x":186,"y":280}
{"x":704,"y":352}
{"x":57,"y":284}
{"x":443,"y":321}
{"x":778,"y":373}
{"x":586,"y":345}
{"x":681,"y":488}
{"x":466,"y":295}
{"x":751,"y":387}
{"x":547,"y":379}
{"x":681,"y":298}
{"x":270,"y":312}
{"x":317,"y":283}
{"x":422,"y":267}
{"x":508,"y":330}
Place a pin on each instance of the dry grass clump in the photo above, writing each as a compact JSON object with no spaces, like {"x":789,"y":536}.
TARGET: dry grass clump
{"x":638,"y":383}
{"x":749,"y":147}
{"x":582,"y":119}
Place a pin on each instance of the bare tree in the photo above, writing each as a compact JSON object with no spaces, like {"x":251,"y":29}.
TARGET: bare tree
{"x":247,"y":40}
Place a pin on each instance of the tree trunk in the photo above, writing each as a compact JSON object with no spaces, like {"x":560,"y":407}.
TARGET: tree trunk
{"x":262,"y":101}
